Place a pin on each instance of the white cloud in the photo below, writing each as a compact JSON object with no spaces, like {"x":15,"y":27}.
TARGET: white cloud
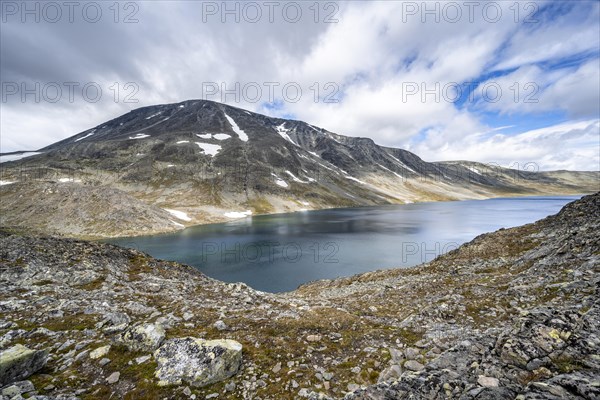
{"x":530,"y":89}
{"x":374,"y":51}
{"x":573,"y":146}
{"x":573,"y":32}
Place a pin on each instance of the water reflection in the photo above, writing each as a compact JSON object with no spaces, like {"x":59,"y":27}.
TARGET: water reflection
{"x":279,"y":252}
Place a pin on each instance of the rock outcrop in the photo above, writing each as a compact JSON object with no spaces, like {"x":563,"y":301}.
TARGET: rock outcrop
{"x":18,"y":362}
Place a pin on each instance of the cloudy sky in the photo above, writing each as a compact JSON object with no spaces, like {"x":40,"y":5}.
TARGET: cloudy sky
{"x":503,"y":82}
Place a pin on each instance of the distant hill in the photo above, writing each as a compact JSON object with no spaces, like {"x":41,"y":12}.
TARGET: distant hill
{"x":209,"y":162}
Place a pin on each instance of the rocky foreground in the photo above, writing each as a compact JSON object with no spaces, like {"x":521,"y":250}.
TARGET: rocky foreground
{"x":512,"y":314}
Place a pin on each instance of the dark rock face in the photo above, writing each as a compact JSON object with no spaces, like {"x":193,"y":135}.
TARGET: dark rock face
{"x":170,"y":131}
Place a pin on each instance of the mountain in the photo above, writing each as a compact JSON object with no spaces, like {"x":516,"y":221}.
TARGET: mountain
{"x":513,"y":314}
{"x":209,"y":162}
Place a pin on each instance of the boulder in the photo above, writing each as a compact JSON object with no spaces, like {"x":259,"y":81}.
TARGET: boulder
{"x":18,"y":362}
{"x":197,"y":362}
{"x":391,"y":373}
{"x":99,"y":352}
{"x":487,"y":381}
{"x":147,"y":337}
{"x":413,"y":365}
{"x":113,"y":378}
{"x":17,"y":389}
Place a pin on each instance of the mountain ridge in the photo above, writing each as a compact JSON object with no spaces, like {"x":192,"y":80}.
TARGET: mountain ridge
{"x":209,"y":160}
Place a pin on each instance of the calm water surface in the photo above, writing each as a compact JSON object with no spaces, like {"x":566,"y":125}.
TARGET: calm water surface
{"x":277,"y":253}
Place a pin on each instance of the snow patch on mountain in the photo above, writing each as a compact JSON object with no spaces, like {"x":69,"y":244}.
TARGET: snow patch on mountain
{"x":402,"y":164}
{"x":355,"y":179}
{"x":210,"y":149}
{"x":86,"y":136}
{"x":241,"y":134}
{"x":387,"y":169}
{"x":280,"y":182}
{"x":15,"y":157}
{"x":473,"y":169}
{"x":178,"y":214}
{"x":283,"y":132}
{"x":154,"y":115}
{"x":139,"y":136}
{"x":296,"y":179}
{"x":237,"y":214}
{"x":69,"y":180}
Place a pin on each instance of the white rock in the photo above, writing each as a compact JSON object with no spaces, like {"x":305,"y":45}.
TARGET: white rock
{"x":99,"y":352}
{"x":220,"y":325}
{"x":113,"y":378}
{"x":487,"y":381}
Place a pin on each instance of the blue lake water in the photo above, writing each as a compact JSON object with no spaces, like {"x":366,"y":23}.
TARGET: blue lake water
{"x":277,"y":253}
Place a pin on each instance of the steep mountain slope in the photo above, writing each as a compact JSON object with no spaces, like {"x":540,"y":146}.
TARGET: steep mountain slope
{"x":208,"y":159}
{"x":512,"y":314}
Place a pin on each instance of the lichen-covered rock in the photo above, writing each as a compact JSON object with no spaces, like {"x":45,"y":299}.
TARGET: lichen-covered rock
{"x":99,"y":352}
{"x":197,"y":362}
{"x":17,"y":389}
{"x":147,"y":337}
{"x":18,"y":362}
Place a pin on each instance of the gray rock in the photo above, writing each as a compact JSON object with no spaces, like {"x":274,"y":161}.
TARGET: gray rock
{"x":11,"y":391}
{"x":197,"y":362}
{"x":220,"y":325}
{"x":352,"y":387}
{"x":104,"y":361}
{"x":82,"y":355}
{"x":391,"y":373}
{"x":396,"y":355}
{"x":277,"y":368}
{"x":19,"y":362}
{"x":147,"y":337}
{"x":313,"y":338}
{"x":113,"y":378}
{"x":142,"y":359}
{"x":99,"y":352}
{"x":487,"y":381}
{"x":411,"y":353}
{"x":413,"y":365}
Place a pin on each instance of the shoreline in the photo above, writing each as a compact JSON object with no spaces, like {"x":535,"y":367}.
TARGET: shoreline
{"x":103,"y":239}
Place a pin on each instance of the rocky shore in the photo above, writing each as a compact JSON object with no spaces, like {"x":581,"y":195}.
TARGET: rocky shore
{"x":511,"y":314}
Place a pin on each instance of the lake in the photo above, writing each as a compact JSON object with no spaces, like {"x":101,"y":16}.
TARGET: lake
{"x":276,"y":253}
